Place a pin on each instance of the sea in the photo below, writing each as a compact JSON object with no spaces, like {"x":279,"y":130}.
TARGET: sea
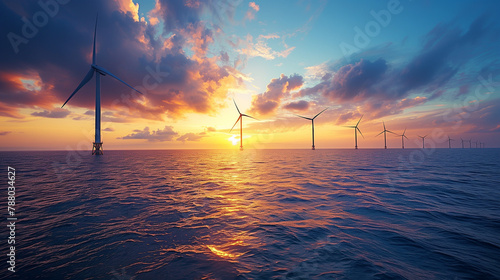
{"x":253,"y":214}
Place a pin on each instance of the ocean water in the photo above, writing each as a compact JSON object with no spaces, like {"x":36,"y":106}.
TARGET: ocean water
{"x":255,"y":214}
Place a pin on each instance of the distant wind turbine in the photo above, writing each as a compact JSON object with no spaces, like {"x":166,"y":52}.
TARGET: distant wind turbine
{"x":462,"y":142}
{"x":94,"y":68}
{"x":449,"y":141}
{"x":356,"y":129}
{"x":423,"y":141}
{"x":312,"y":122}
{"x":240,"y":119}
{"x":476,"y":144}
{"x":402,"y":139}
{"x":385,"y":138}
{"x":470,"y":143}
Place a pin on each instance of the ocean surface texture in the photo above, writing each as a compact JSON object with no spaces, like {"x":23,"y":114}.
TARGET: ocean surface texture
{"x":255,"y":214}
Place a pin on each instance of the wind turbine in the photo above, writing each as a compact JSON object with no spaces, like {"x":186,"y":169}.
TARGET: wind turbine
{"x":240,"y":119}
{"x":402,"y":139}
{"x":98,"y":70}
{"x":312,"y":121}
{"x":476,"y":144}
{"x":470,"y":143}
{"x":384,"y":132}
{"x":356,"y":129}
{"x":449,"y":141}
{"x":423,"y":140}
{"x":462,"y":142}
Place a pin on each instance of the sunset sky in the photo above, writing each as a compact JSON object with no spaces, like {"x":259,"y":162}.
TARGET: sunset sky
{"x":432,"y":67}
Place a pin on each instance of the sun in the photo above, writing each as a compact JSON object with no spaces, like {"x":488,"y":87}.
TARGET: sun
{"x":234,"y":139}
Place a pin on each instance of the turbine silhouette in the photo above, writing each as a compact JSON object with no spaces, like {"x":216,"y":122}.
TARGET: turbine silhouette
{"x":98,"y":70}
{"x":449,"y":142}
{"x":385,"y":138}
{"x":423,"y":141}
{"x":312,"y":121}
{"x":462,"y":142}
{"x":240,"y":119}
{"x":402,"y":139}
{"x":470,"y":143}
{"x":356,"y":129}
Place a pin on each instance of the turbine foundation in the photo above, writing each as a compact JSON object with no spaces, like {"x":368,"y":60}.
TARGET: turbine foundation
{"x":97,"y":148}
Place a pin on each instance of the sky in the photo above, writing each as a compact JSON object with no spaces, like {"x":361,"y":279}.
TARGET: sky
{"x":427,"y":67}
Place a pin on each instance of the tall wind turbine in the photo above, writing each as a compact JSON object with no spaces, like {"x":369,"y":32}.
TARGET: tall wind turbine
{"x":356,"y":129}
{"x":385,"y":138}
{"x":98,"y":70}
{"x":240,"y":119}
{"x":449,"y":141}
{"x":423,"y":141}
{"x":462,"y":142}
{"x":312,"y":121}
{"x":402,"y":139}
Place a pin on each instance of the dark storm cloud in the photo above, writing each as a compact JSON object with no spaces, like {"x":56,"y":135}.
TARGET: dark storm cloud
{"x":58,"y":55}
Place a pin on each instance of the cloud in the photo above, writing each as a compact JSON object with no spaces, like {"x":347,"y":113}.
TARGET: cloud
{"x":151,"y":57}
{"x":261,"y":49}
{"x":254,"y":8}
{"x":110,"y":129}
{"x":56,"y":113}
{"x":190,"y":137}
{"x":269,"y":101}
{"x":301,"y":105}
{"x":166,"y":134}
{"x":196,"y":136}
{"x":3,"y":133}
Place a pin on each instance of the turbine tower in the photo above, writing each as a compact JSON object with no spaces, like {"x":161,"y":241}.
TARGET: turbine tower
{"x":98,"y":70}
{"x":240,"y":119}
{"x":449,"y":142}
{"x":385,"y":138}
{"x":356,"y":129}
{"x":423,"y":141}
{"x":402,"y":139}
{"x":312,"y":121}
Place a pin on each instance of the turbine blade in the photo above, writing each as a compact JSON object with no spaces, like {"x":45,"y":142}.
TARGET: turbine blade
{"x":235,"y":123}
{"x":405,"y":136}
{"x":95,"y":32}
{"x":304,"y":117}
{"x":349,"y":126}
{"x":360,"y":132}
{"x":236,"y":107}
{"x":379,"y":133}
{"x":85,"y":80}
{"x":244,"y":115}
{"x":391,"y":132}
{"x":359,"y":120}
{"x":404,"y":131}
{"x":100,"y":69}
{"x":384,"y":125}
{"x":319,"y":113}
